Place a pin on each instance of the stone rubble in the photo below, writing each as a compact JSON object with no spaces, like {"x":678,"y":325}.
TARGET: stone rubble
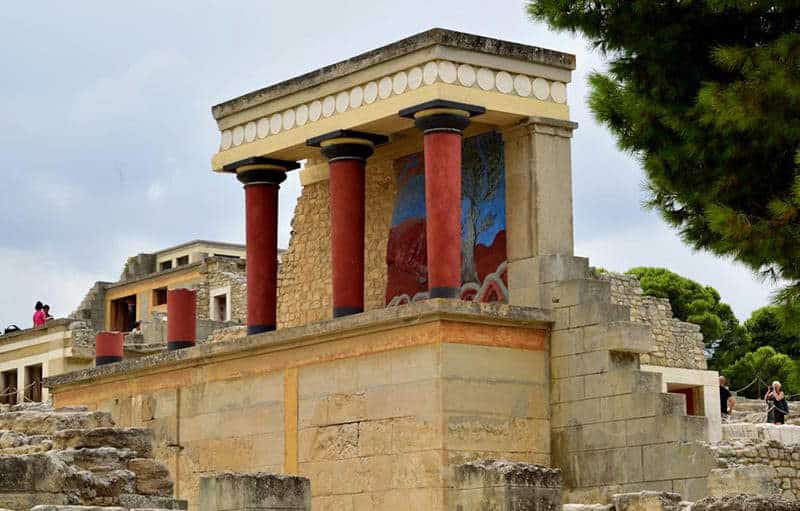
{"x":68,"y":458}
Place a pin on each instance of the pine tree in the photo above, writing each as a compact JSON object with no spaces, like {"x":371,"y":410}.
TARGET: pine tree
{"x":707,"y":94}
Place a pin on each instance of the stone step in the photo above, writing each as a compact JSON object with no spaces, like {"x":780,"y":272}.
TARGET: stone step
{"x":14,"y":442}
{"x":88,"y":508}
{"x":152,"y":477}
{"x":98,"y":460}
{"x":33,"y":422}
{"x":138,"y":440}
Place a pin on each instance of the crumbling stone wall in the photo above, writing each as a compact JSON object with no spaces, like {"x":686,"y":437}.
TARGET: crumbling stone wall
{"x":92,"y":308}
{"x":783,"y":460}
{"x":218,"y":273}
{"x":304,"y":278}
{"x":678,"y":344}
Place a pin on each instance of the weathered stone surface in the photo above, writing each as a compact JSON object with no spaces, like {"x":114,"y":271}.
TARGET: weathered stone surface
{"x":747,"y":479}
{"x":32,"y":422}
{"x":507,"y":486}
{"x":152,"y":477}
{"x":253,"y":492}
{"x":745,"y":503}
{"x":647,"y":501}
{"x":139,"y":440}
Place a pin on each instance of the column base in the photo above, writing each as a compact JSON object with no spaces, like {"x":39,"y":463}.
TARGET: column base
{"x":259,"y":329}
{"x":106,"y":359}
{"x":179,"y":345}
{"x":338,"y":312}
{"x":443,"y":292}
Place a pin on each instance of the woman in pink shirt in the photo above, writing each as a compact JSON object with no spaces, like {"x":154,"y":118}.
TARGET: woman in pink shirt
{"x":39,"y":317}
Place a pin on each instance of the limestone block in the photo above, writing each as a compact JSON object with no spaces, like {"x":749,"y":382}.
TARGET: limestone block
{"x":257,"y":491}
{"x":493,"y":364}
{"x":506,"y":486}
{"x":691,"y":489}
{"x":610,"y":466}
{"x":593,"y":362}
{"x":750,"y":479}
{"x":139,"y":440}
{"x":647,"y":501}
{"x":587,"y":507}
{"x":622,"y":336}
{"x":573,"y":292}
{"x":605,"y":435}
{"x":500,"y":398}
{"x":494,"y":433}
{"x":622,"y":381}
{"x":152,"y":477}
{"x":745,"y":503}
{"x":593,"y":313}
{"x":687,"y":460}
{"x":658,"y":430}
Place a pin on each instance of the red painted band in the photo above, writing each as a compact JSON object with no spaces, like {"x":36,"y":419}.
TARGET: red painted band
{"x":443,"y":206}
{"x":181,"y":314}
{"x":347,"y":194}
{"x":108,"y":344}
{"x":261,"y":204}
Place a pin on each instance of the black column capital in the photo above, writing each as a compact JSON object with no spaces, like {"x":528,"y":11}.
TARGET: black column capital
{"x":442,"y":115}
{"x":261,"y":170}
{"x":347,"y":144}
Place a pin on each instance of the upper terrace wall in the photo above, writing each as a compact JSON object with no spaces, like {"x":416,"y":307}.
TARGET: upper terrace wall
{"x":678,"y":344}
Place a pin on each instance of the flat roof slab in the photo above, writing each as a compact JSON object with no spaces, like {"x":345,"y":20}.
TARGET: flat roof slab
{"x":512,"y":81}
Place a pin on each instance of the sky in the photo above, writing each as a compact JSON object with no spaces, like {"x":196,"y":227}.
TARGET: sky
{"x":106,"y":134}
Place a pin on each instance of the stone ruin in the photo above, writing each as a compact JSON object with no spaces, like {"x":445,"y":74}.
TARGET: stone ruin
{"x":61,"y":458}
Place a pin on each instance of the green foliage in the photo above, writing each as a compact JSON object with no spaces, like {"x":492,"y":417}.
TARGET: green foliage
{"x":767,"y":365}
{"x":707,"y":94}
{"x":690,"y":302}
{"x":766,"y":328}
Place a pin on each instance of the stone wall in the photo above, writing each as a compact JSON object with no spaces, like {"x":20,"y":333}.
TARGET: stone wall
{"x":376,"y":409}
{"x":92,"y":307}
{"x":678,"y":344}
{"x":783,"y":460}
{"x":304,"y":278}
{"x":218,"y":272}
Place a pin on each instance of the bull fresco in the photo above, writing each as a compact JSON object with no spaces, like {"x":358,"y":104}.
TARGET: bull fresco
{"x":483,"y":225}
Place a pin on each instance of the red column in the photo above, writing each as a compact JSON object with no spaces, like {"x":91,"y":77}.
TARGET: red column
{"x":108,"y":348}
{"x":181,"y":318}
{"x":347,"y":152}
{"x":347,"y":183}
{"x":442,"y":123}
{"x":443,"y":211}
{"x":261,"y":211}
{"x":261,"y":178}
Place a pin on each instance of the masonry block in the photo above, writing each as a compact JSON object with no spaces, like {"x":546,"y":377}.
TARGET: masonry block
{"x":647,"y":501}
{"x":610,"y":466}
{"x":621,"y":381}
{"x":686,"y":460}
{"x":594,"y":313}
{"x":622,"y":336}
{"x":573,"y":292}
{"x":593,"y":362}
{"x":506,"y":486}
{"x":254,"y":492}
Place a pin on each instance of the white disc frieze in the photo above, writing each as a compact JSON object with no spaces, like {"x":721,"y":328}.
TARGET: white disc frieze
{"x":275,"y":124}
{"x":328,"y":106}
{"x":356,"y":97}
{"x":227,"y":139}
{"x":342,"y":102}
{"x":370,"y":92}
{"x":430,"y":72}
{"x":385,"y":87}
{"x":466,"y":75}
{"x":485,"y":78}
{"x":447,"y":71}
{"x":522,"y":84}
{"x":250,"y":131}
{"x":541,"y":89}
{"x":504,"y":82}
{"x":315,"y":110}
{"x":558,"y":91}
{"x":399,"y":82}
{"x":301,"y":115}
{"x":238,"y":135}
{"x":288,"y":118}
{"x":414,"y":78}
{"x":263,"y":127}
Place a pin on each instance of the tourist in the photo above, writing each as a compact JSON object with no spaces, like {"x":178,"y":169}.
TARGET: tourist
{"x":778,"y":406}
{"x":137,"y":328}
{"x":46,"y":310}
{"x":726,"y":400}
{"x":39,"y":317}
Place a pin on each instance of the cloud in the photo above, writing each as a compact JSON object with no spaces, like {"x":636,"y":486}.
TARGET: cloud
{"x":155,"y":191}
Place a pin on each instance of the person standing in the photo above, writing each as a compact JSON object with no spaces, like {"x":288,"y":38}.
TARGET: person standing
{"x":726,"y":401}
{"x":39,"y":316}
{"x":778,"y":406}
{"x":46,"y":310}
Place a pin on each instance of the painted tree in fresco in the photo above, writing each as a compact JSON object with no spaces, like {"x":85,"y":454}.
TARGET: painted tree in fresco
{"x":481,"y":172}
